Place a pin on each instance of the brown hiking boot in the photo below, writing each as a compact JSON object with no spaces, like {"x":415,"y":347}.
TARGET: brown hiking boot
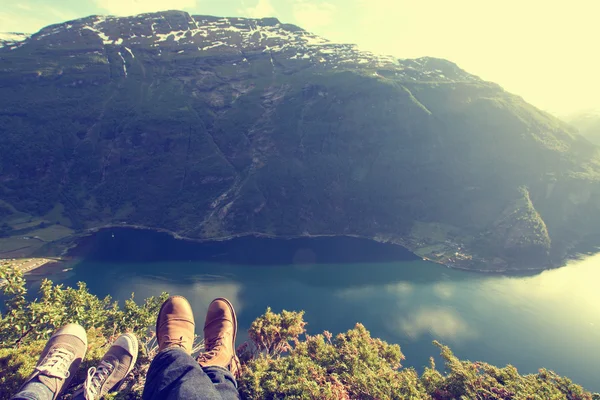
{"x":175,"y":325}
{"x":114,"y":367}
{"x":220,"y":329}
{"x":60,"y":358}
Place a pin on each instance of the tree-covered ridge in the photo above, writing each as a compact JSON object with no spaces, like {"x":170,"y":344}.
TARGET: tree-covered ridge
{"x":519,"y":232}
{"x":139,"y":121}
{"x":279,"y":361}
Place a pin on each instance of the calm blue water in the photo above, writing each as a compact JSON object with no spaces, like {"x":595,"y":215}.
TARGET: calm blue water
{"x":547,"y":320}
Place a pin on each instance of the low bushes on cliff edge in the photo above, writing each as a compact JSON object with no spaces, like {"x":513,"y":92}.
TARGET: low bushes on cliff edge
{"x":279,"y":361}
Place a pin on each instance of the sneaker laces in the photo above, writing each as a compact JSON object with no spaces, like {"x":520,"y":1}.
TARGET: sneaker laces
{"x":57,"y":364}
{"x":96,"y":378}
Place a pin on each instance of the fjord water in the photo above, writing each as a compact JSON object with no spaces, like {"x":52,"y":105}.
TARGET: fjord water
{"x":550,"y":319}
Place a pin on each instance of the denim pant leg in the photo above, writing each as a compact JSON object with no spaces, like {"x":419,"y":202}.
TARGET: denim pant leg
{"x":224,"y":382}
{"x":175,"y":375}
{"x":34,"y":391}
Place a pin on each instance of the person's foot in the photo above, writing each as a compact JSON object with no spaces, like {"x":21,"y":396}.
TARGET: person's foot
{"x":114,"y":367}
{"x":220,"y":330}
{"x":60,"y":359}
{"x":175,"y":325}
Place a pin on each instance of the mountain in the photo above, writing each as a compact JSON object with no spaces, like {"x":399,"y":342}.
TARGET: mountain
{"x":12,"y":39}
{"x":588,"y":124}
{"x":214,"y":127}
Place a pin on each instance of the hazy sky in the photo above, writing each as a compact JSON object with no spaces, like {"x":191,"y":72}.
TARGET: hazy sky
{"x":547,"y":51}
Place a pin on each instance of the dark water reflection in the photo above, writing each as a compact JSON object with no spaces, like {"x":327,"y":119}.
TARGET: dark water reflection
{"x":548,"y":320}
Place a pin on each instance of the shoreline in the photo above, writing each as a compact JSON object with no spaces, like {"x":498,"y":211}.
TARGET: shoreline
{"x":30,"y":264}
{"x":380,"y":239}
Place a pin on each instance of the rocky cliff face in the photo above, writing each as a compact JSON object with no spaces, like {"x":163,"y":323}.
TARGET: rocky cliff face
{"x":211,"y":127}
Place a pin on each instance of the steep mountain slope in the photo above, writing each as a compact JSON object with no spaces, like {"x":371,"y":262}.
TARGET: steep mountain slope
{"x":211,"y":127}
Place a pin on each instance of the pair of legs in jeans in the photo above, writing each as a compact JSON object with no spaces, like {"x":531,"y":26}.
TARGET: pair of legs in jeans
{"x":173,"y":374}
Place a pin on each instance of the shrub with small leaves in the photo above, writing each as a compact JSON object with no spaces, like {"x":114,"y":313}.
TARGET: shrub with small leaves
{"x":481,"y":381}
{"x":24,"y":321}
{"x":350,"y":366}
{"x":26,"y":325}
{"x":353,"y":365}
{"x":273,"y":333}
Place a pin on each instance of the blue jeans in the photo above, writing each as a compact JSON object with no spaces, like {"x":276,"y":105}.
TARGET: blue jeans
{"x":38,"y":391}
{"x":34,"y":390}
{"x":175,"y":375}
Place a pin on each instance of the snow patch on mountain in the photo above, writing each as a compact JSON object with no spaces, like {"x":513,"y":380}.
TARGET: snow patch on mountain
{"x":12,"y":39}
{"x":174,"y":31}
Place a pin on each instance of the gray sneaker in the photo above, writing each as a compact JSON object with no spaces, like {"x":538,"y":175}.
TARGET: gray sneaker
{"x":114,"y":367}
{"x":60,"y":359}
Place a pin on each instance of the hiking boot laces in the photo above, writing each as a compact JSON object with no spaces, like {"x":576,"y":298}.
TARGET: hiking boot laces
{"x":57,"y":364}
{"x":212,"y":347}
{"x":96,"y":378}
{"x":173,"y":341}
